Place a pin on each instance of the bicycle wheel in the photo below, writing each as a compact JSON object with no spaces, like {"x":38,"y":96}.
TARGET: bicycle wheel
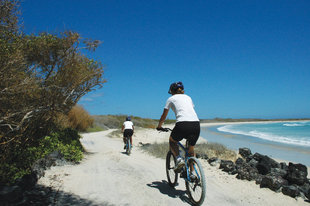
{"x":172,"y":176}
{"x":128,"y":148}
{"x":196,"y":188}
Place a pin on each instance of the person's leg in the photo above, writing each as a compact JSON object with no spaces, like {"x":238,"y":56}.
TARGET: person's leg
{"x":174,"y":146}
{"x":175,"y":151}
{"x":191,"y":152}
{"x":131,"y":140}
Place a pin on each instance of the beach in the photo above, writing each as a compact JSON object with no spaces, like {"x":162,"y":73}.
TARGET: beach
{"x":276,"y":150}
{"x":107,"y":176}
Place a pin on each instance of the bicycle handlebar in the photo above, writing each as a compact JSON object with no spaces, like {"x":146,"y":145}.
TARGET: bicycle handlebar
{"x":164,"y":129}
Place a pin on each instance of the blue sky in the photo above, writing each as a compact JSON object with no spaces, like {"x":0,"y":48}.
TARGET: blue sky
{"x":237,"y":59}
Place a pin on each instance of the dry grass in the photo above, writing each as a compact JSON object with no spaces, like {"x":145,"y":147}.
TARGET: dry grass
{"x":210,"y":149}
{"x":79,"y":118}
{"x":215,"y":150}
{"x":116,"y":134}
{"x":157,"y":149}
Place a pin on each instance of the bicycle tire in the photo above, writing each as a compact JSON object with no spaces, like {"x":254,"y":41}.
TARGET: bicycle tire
{"x":172,"y":176}
{"x":128,"y":148}
{"x":198,"y":185}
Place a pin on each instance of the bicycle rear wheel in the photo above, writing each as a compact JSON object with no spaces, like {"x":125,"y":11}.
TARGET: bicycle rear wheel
{"x":172,"y":176}
{"x":128,"y":147}
{"x":196,"y":188}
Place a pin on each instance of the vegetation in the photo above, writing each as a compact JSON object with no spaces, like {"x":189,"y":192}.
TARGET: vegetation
{"x":116,"y":121}
{"x":42,"y":78}
{"x":79,"y":119}
{"x":210,"y":149}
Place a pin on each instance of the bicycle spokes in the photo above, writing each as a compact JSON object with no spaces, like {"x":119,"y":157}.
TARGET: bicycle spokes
{"x":196,"y":185}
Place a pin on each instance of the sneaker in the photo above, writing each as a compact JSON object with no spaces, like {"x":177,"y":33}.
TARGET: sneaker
{"x":183,"y":173}
{"x":192,"y":177}
{"x":179,"y":164}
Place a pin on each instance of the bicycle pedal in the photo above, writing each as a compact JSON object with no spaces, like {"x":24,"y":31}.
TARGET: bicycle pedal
{"x":183,"y":174}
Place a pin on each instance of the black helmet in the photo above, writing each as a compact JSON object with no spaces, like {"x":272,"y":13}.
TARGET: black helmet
{"x":128,"y":118}
{"x":174,"y":87}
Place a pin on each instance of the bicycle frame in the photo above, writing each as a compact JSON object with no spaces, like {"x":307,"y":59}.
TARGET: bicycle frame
{"x":186,"y":159}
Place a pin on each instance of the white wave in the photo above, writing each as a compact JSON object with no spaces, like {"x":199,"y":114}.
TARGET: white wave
{"x":293,"y":125}
{"x":266,"y":136}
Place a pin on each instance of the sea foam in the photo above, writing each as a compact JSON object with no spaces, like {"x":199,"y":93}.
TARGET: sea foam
{"x":303,"y":141}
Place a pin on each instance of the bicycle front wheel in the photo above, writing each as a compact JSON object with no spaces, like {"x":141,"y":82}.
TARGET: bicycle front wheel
{"x":196,"y":187}
{"x":172,"y":176}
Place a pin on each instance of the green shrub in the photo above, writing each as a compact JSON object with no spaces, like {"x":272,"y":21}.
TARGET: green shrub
{"x":19,"y":164}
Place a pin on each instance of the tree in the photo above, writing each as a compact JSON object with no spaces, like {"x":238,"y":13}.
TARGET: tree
{"x":41,"y":76}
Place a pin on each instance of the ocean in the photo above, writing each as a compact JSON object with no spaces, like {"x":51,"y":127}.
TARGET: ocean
{"x":280,"y":140}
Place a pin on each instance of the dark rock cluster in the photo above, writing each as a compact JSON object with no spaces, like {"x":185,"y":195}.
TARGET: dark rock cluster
{"x":289,"y":179}
{"x":25,"y":191}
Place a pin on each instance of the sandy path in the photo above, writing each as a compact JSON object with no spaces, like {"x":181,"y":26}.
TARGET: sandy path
{"x":107,"y":176}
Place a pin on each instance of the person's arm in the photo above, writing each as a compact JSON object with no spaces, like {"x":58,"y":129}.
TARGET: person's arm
{"x":163,"y":118}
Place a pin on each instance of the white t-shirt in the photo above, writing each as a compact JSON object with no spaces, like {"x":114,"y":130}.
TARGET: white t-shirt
{"x":128,"y":125}
{"x":183,"y":107}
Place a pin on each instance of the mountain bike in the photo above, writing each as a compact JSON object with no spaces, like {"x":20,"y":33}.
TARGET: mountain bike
{"x":128,"y":145}
{"x":196,"y":187}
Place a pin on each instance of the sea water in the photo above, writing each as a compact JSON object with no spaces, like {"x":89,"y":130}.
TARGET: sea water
{"x":282,"y":140}
{"x":291,"y":133}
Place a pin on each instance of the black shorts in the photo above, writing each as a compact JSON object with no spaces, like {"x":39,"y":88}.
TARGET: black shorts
{"x":128,"y":132}
{"x":186,"y":130}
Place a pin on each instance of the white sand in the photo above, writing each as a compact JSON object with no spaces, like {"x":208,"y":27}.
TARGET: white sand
{"x":107,"y":176}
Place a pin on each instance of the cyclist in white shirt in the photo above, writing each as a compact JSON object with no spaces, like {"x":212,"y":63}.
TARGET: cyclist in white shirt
{"x":127,"y":130}
{"x":187,"y":122}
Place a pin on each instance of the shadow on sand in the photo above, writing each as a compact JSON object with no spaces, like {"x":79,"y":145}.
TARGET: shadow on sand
{"x":42,"y":195}
{"x":165,"y":189}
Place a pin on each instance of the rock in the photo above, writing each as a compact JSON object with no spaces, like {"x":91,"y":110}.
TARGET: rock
{"x":290,"y":190}
{"x":245,"y":171}
{"x":245,"y":152}
{"x":239,"y":161}
{"x":228,"y":166}
{"x":259,"y":179}
{"x":283,"y":166}
{"x":27,"y":182}
{"x":305,"y":190}
{"x":278,"y":172}
{"x":202,"y":156}
{"x":273,"y":182}
{"x":297,"y":174}
{"x":257,"y":156}
{"x":253,"y":163}
{"x":265,"y":164}
{"x":214,"y":161}
{"x":307,"y":194}
{"x":10,"y":194}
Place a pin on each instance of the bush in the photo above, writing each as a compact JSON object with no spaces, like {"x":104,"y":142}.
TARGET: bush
{"x":19,"y":164}
{"x":116,"y":121}
{"x":79,"y":119}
